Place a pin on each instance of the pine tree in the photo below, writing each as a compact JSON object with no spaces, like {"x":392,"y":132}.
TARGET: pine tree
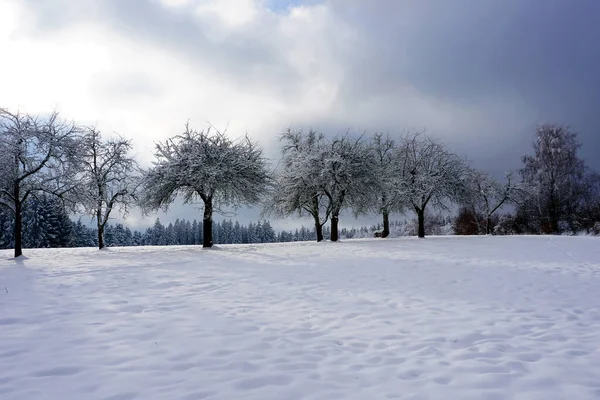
{"x":82,"y":236}
{"x":157,"y":236}
{"x":189,"y":234}
{"x":237,"y":233}
{"x":252,"y":233}
{"x":170,"y":236}
{"x":196,"y":237}
{"x":269,"y":235}
{"x":6,"y":232}
{"x":58,"y":224}
{"x":109,"y":236}
{"x":34,"y":223}
{"x":127,"y":237}
{"x":137,"y":239}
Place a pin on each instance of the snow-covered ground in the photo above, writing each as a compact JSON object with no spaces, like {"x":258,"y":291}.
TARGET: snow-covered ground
{"x":440,"y":318}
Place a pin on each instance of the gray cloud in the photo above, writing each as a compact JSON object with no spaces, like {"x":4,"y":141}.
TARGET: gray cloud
{"x":127,"y":86}
{"x":247,"y":56}
{"x":478,"y":73}
{"x":250,"y":57}
{"x":541,"y":55}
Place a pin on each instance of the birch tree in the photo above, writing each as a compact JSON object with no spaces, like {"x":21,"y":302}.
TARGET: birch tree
{"x":554,"y":175}
{"x":209,"y":166}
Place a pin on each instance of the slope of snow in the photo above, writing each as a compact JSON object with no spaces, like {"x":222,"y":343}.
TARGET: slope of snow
{"x":440,"y":318}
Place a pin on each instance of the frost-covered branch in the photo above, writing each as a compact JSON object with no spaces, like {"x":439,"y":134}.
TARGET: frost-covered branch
{"x":206,"y":165}
{"x":109,"y":177}
{"x":431,"y":175}
{"x":38,"y":155}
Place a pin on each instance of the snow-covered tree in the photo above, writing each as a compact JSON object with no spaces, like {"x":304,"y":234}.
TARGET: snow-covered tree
{"x":137,"y":239}
{"x":298,"y":188}
{"x":346,"y":177}
{"x":251,"y":236}
{"x":196,"y":232}
{"x":210,"y":166}
{"x":36,"y":215}
{"x":37,"y":155}
{"x":109,"y":176}
{"x":156,"y":235}
{"x":189,"y":234}
{"x":216,"y":232}
{"x":237,"y":233}
{"x":554,"y":177}
{"x":120,"y":236}
{"x":430,"y":175}
{"x":58,"y":223}
{"x":82,"y":236}
{"x":384,"y":162}
{"x":170,"y":237}
{"x":109,"y":236}
{"x":226,"y":231}
{"x":6,"y":232}
{"x":268,"y":235}
{"x":586,"y":212}
{"x":485,"y":196}
{"x":320,"y":177}
{"x":181,"y":232}
{"x":45,"y":223}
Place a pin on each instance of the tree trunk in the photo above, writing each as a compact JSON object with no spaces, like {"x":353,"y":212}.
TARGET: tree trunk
{"x":18,"y":228}
{"x":100,"y":227}
{"x":334,"y":228}
{"x":315,"y":214}
{"x":101,"y":244}
{"x":488,"y":225}
{"x":477,"y":221}
{"x":554,"y":214}
{"x":386,"y":223}
{"x":207,"y":240}
{"x":554,"y":226}
{"x":318,"y":229}
{"x":421,"y":219}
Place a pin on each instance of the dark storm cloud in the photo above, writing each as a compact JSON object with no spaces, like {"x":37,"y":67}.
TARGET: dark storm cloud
{"x":544,"y":54}
{"x":465,"y":49}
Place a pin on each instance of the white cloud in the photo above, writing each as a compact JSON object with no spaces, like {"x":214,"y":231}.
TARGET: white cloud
{"x":234,"y":14}
{"x":99,"y":75}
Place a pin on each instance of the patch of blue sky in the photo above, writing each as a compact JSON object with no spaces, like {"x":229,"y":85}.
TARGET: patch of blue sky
{"x":282,"y":6}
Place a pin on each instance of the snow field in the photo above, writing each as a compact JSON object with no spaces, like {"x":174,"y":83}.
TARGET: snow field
{"x":440,"y":318}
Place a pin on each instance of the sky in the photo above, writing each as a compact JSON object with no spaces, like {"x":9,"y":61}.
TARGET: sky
{"x":477,"y":74}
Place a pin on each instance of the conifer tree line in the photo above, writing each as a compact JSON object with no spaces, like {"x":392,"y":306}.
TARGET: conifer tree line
{"x":51,"y":167}
{"x":46,"y":224}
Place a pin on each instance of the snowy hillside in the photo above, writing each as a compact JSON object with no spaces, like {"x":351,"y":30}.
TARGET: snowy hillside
{"x":440,"y":318}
